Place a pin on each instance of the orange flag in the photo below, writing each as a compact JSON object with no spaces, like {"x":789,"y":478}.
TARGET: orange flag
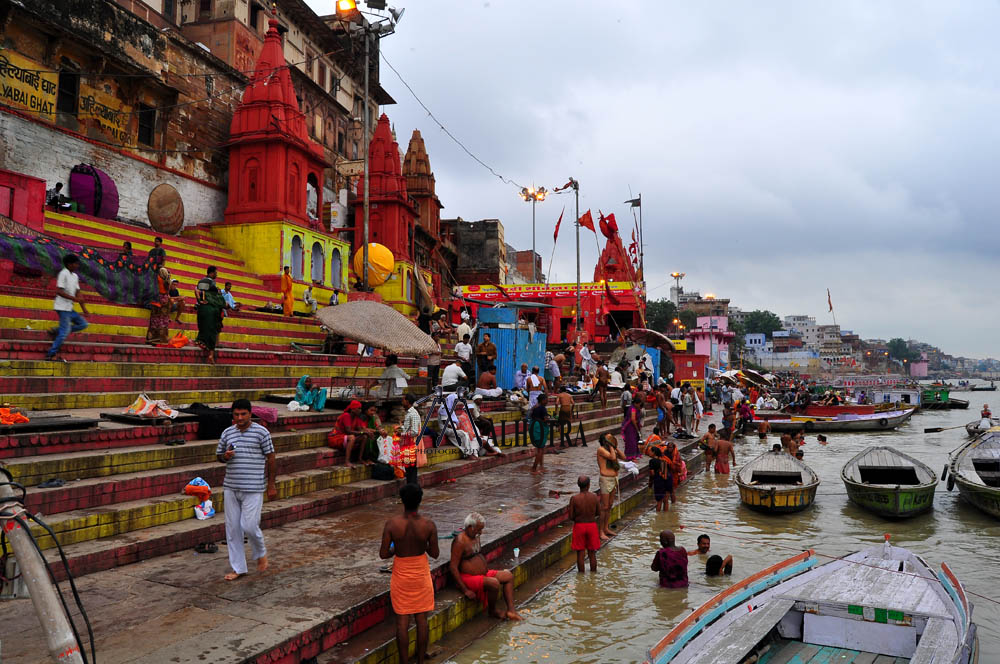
{"x":587,"y":221}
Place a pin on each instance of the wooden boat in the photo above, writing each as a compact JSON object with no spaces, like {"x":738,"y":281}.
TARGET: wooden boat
{"x":874,"y":605}
{"x":984,"y":388}
{"x":889,"y":483}
{"x":776,"y":482}
{"x":815,"y":410}
{"x":980,"y":426}
{"x":975,"y":468}
{"x":884,"y":421}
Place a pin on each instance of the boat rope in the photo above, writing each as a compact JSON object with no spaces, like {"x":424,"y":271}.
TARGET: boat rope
{"x":797,"y":549}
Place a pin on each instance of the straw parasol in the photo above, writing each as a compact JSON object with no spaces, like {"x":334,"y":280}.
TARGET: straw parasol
{"x":377,"y":325}
{"x":650,"y":338}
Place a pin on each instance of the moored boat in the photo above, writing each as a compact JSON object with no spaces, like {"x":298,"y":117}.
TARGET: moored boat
{"x":984,"y":388}
{"x":975,"y":469}
{"x":889,"y":483}
{"x":776,"y":482}
{"x":816,"y":410}
{"x":884,"y":421}
{"x":884,"y":601}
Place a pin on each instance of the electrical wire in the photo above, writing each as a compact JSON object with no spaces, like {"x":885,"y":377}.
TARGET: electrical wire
{"x":441,"y":126}
{"x":21,"y":518}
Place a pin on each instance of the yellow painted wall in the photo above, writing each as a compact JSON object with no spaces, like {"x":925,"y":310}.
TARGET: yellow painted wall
{"x":265,"y":247}
{"x":394,"y":293}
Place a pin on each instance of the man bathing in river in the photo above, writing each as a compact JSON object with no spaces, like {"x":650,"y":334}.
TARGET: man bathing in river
{"x":671,"y":562}
{"x":409,"y":539}
{"x":715,"y":565}
{"x":723,"y":453}
{"x":584,"y":510}
{"x":473,"y":578}
{"x":608,"y":464}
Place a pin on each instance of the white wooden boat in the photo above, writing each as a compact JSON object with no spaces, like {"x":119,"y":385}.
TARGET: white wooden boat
{"x":883,"y":421}
{"x":777,"y":482}
{"x":975,"y":469}
{"x":875,"y":605}
{"x":889,"y":483}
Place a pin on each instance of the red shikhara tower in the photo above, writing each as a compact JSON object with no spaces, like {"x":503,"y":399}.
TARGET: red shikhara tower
{"x":391,"y":215}
{"x":614,"y":263}
{"x":272,"y":160}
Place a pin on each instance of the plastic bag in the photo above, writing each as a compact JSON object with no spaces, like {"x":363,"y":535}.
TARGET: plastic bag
{"x":204,"y":510}
{"x":295,"y":406}
{"x":143,"y":406}
{"x":179,"y":340}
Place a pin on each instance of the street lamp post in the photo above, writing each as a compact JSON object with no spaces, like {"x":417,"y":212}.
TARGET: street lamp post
{"x":533,"y":195}
{"x":578,"y":314}
{"x":383,"y":27}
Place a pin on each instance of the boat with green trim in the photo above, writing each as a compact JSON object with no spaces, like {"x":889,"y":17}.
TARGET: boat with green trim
{"x":975,"y":469}
{"x":889,"y":483}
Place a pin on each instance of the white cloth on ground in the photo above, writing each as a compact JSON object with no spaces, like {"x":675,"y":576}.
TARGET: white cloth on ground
{"x":495,"y":392}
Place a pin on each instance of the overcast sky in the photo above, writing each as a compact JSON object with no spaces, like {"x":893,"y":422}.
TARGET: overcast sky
{"x":781,"y":148}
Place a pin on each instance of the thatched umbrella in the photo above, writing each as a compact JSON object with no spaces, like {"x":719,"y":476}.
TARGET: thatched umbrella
{"x":650,"y":338}
{"x":377,"y":325}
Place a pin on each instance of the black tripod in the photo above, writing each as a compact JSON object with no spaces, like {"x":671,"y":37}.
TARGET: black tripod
{"x":440,"y":400}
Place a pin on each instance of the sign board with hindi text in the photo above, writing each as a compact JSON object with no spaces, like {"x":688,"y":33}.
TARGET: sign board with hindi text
{"x":113,"y":116}
{"x":539,"y":291}
{"x":24,"y":85}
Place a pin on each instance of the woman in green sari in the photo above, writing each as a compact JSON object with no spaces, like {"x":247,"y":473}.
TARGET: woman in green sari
{"x":210,"y":309}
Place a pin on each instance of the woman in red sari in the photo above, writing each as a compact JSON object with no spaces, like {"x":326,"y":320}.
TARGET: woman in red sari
{"x":159,"y":310}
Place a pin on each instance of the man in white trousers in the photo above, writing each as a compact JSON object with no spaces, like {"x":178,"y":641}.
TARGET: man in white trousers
{"x":248,"y":452}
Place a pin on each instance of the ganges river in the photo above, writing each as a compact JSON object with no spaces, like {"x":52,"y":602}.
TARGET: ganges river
{"x":616,"y":614}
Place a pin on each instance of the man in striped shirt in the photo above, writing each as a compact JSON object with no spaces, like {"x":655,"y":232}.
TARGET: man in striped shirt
{"x":248,"y":453}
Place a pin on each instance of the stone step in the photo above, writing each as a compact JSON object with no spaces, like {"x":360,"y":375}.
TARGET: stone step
{"x":86,"y":347}
{"x":35,"y":368}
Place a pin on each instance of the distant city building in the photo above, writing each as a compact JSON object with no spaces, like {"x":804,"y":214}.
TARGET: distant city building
{"x":708,"y":306}
{"x":737,"y":316}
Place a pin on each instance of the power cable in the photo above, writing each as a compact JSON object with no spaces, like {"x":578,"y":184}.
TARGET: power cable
{"x":15,"y":510}
{"x":441,"y":126}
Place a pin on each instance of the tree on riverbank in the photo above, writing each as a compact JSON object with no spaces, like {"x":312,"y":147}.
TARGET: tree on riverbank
{"x":761,"y":321}
{"x":900,"y":350}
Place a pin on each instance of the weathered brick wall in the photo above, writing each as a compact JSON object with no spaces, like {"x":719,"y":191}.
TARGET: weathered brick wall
{"x":35,"y":149}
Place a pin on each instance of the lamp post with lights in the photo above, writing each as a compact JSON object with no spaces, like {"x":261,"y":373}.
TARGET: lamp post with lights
{"x":535,"y":196}
{"x":383,"y":27}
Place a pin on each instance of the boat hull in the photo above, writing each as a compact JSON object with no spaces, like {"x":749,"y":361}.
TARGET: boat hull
{"x":985,"y":498}
{"x":886,"y":422}
{"x":892,"y":502}
{"x":778,"y":501}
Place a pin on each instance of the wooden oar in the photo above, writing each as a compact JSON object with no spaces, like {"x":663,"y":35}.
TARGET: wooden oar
{"x":939,"y":429}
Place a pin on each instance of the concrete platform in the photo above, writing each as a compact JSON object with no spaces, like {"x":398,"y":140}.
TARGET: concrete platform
{"x":324,"y":585}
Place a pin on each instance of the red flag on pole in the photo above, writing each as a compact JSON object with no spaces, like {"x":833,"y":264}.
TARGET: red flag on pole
{"x":587,"y":221}
{"x":555,"y":235}
{"x":611,"y":296}
{"x":828,"y":300}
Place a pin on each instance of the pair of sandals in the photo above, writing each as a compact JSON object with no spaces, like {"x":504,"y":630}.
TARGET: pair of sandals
{"x":178,"y":441}
{"x":207,"y":547}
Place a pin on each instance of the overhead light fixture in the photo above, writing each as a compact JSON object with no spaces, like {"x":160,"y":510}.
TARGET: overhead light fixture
{"x":347,"y":9}
{"x":375,"y":4}
{"x":396,"y":14}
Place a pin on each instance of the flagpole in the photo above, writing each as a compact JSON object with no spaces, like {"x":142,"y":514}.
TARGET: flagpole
{"x":579,"y":314}
{"x":642,"y":265}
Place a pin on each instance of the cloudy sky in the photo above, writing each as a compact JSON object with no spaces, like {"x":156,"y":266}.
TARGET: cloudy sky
{"x":781,"y":148}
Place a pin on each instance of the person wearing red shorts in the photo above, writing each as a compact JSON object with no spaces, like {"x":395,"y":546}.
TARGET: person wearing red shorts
{"x":468,"y":568}
{"x":584,"y":508}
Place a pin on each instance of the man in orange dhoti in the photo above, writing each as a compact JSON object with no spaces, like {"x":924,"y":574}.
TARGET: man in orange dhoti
{"x":287,"y":301}
{"x":410,"y":538}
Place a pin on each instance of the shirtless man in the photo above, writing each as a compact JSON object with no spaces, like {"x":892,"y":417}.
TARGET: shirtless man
{"x":763,"y":428}
{"x":708,"y":443}
{"x":473,"y":578}
{"x":564,"y":401}
{"x":410,"y":538}
{"x":584,"y":510}
{"x":608,"y":459}
{"x":723,"y":453}
{"x":788,"y":444}
{"x":603,"y":378}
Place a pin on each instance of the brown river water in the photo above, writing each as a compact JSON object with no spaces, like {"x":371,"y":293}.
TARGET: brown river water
{"x":616,"y":614}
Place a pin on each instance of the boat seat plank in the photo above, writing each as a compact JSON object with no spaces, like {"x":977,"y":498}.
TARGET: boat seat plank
{"x":940,"y":636}
{"x":751,"y":627}
{"x":878,"y":588}
{"x":865,"y":658}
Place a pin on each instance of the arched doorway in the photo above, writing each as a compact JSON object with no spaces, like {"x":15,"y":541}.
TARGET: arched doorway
{"x":312,"y":197}
{"x":296,"y":257}
{"x":317,"y":263}
{"x":336,"y":268}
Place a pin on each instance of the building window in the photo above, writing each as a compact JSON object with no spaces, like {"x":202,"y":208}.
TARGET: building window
{"x":69,"y":90}
{"x":310,"y":56}
{"x":205,"y":9}
{"x":341,"y":142}
{"x":147,"y":125}
{"x":355,"y":152}
{"x":169,"y":10}
{"x":321,"y":78}
{"x":255,"y":16}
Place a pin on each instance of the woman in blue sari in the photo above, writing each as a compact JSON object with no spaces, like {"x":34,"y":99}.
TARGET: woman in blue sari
{"x":307,"y":395}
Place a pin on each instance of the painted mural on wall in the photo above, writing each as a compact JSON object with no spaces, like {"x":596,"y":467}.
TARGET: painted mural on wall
{"x":23,"y":86}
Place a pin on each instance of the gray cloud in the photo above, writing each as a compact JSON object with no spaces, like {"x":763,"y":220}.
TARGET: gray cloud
{"x":780,"y":148}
